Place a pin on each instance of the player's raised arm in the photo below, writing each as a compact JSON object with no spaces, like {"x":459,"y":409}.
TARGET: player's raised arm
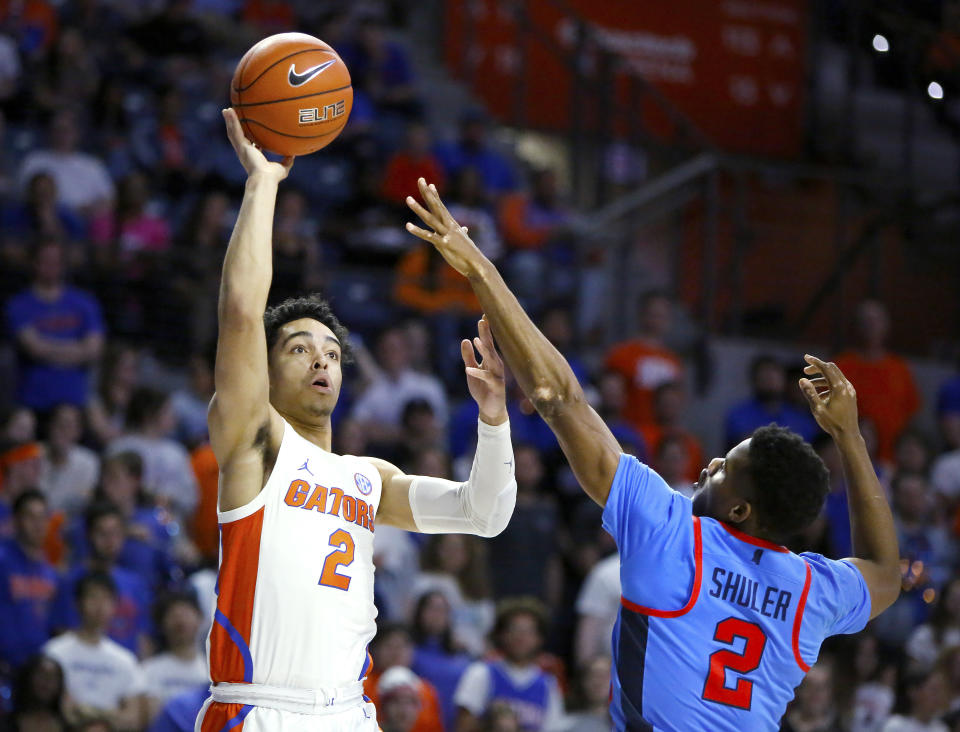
{"x":833,"y":402}
{"x":483,"y":504}
{"x":240,"y":410}
{"x":542,"y":372}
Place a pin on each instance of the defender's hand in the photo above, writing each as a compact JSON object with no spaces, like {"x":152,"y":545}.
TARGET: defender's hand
{"x":485,"y":379}
{"x":832,"y":398}
{"x":253,"y":161}
{"x":450,"y":239}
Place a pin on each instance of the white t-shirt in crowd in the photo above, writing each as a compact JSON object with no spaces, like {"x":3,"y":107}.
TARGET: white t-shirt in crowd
{"x":945,"y":474}
{"x":68,"y":486}
{"x":898,"y":723}
{"x":203,"y":582}
{"x":167,"y":472}
{"x":167,"y":675}
{"x":922,"y":646}
{"x":99,"y":675}
{"x":600,"y":598}
{"x":10,"y":68}
{"x":475,"y":687}
{"x":583,"y":721}
{"x":472,"y":620}
{"x":397,"y":559}
{"x":872,"y":704}
{"x":385,"y":398}
{"x":82,"y":180}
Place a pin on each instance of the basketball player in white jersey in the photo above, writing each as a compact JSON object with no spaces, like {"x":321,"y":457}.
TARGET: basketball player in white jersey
{"x":295,"y":612}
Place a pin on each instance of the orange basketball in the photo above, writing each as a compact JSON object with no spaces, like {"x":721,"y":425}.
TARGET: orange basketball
{"x":292,"y":94}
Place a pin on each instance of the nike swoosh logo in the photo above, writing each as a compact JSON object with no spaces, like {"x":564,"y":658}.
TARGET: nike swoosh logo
{"x":302,"y":78}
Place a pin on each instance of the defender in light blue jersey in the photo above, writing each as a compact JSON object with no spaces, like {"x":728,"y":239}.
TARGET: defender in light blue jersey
{"x":718,"y":622}
{"x":737,"y":620}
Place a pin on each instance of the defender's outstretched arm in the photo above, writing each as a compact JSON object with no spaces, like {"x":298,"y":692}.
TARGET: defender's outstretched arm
{"x":542,"y":372}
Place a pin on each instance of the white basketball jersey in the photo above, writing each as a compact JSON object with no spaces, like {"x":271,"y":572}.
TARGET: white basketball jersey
{"x":295,"y":586}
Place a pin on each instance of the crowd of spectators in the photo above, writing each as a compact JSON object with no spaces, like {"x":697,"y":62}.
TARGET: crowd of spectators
{"x":118,"y":191}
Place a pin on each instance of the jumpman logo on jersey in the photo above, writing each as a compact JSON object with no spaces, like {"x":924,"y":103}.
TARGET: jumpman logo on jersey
{"x":306,"y":466}
{"x":509,"y":463}
{"x":756,"y":556}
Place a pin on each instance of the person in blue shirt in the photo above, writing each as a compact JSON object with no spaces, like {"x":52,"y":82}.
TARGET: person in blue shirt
{"x":148,"y":548}
{"x":107,"y":533}
{"x":27,"y":581}
{"x":768,"y":379}
{"x":180,"y":713}
{"x":514,"y":679}
{"x":472,"y":149}
{"x":525,"y":425}
{"x":59,"y":334}
{"x":436,"y":657}
{"x":41,"y":213}
{"x":718,"y":621}
{"x":382,"y":69}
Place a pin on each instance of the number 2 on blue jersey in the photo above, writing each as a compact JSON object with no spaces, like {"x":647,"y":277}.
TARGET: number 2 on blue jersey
{"x":743,"y":663}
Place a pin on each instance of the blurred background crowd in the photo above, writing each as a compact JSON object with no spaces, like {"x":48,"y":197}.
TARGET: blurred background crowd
{"x":118,"y":192}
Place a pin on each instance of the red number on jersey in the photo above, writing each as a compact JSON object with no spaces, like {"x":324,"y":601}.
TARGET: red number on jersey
{"x":343,"y":556}
{"x":742,"y":663}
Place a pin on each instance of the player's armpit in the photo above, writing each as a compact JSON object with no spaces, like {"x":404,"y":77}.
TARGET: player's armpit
{"x":588,"y":444}
{"x":394,"y":508}
{"x":883,"y":584}
{"x":246,"y":463}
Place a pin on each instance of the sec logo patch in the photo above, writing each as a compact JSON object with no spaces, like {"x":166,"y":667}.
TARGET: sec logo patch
{"x":363,"y":483}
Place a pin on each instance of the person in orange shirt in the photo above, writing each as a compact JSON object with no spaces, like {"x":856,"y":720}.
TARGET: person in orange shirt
{"x":669,"y":406}
{"x":886,"y":391}
{"x":401,"y":701}
{"x":431,"y":286}
{"x":645,"y":361}
{"x":537,"y":227}
{"x":535,"y":219}
{"x":35,"y":22}
{"x":204,"y":529}
{"x":269,"y":16}
{"x":392,"y":651}
{"x":412,"y":162}
{"x":427,"y":284}
{"x":20,"y":468}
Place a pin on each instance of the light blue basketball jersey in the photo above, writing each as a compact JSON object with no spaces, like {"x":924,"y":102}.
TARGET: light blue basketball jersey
{"x":716,"y":628}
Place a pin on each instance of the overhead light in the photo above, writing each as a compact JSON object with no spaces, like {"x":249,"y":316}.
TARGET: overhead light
{"x":880,"y":44}
{"x":935,"y":90}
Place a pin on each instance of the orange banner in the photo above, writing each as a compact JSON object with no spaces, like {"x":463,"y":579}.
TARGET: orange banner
{"x":735,"y":68}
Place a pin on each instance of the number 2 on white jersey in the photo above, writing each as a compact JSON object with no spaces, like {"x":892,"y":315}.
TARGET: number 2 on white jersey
{"x":343,"y":556}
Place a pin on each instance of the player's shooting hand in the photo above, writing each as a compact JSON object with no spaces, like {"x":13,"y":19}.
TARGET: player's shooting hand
{"x":485,"y":380}
{"x":832,"y":399}
{"x":450,"y":239}
{"x":252,"y":159}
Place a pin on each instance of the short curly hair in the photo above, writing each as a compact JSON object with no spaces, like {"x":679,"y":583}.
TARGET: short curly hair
{"x":311,"y":306}
{"x":512,"y":607}
{"x":790,"y":480}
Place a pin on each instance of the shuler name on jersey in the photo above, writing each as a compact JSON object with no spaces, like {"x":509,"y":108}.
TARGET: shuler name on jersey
{"x":332,"y":501}
{"x":737,"y":589}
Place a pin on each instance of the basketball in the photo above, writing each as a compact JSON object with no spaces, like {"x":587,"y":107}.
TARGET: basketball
{"x":292,"y":94}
